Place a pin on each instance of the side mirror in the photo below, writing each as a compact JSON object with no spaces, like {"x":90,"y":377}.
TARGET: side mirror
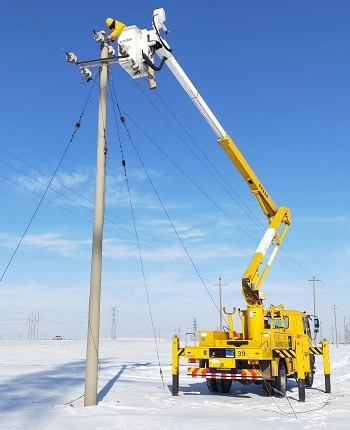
{"x":316,"y":323}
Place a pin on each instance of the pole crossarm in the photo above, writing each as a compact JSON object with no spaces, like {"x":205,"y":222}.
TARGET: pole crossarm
{"x":97,"y":62}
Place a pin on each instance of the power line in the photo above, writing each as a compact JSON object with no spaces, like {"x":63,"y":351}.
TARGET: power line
{"x":76,"y":128}
{"x":172,"y":254}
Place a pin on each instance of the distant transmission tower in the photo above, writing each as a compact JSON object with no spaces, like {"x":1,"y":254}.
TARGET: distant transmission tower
{"x":194,"y":329}
{"x":33,"y":326}
{"x":114,"y":314}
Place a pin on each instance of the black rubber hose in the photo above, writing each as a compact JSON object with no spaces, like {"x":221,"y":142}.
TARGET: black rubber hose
{"x":152,"y":66}
{"x":160,"y":39}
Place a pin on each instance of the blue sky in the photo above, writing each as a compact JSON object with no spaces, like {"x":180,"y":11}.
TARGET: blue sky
{"x":275,"y":74}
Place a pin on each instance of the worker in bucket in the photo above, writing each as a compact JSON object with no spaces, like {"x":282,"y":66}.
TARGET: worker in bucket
{"x":116,"y":28}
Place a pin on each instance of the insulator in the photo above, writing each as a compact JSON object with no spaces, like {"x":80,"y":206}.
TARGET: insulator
{"x":86,"y":72}
{"x":71,"y":58}
{"x":111,"y":50}
{"x":99,"y":36}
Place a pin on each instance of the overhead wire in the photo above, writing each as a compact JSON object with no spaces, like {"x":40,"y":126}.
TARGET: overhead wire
{"x":134,"y":220}
{"x":166,"y":251}
{"x":292,"y":258}
{"x":121,"y":227}
{"x":82,"y":16}
{"x":247,"y":211}
{"x":282,"y":248}
{"x":260,"y":225}
{"x":161,"y":202}
{"x":186,"y":175}
{"x":250,"y":214}
{"x":76,"y":128}
{"x":198,"y":187}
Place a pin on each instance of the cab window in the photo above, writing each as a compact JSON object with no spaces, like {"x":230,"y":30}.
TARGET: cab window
{"x":276,"y":322}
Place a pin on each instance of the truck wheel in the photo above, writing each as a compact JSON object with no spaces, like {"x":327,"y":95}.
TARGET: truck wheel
{"x":212,"y":385}
{"x":224,"y":385}
{"x":309,"y":377}
{"x":281,"y":380}
{"x":268,"y":387}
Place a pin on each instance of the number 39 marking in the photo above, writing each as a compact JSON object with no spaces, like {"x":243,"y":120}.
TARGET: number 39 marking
{"x":241,"y":353}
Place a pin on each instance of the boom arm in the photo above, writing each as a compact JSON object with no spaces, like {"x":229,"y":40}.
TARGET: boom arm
{"x":279,"y":218}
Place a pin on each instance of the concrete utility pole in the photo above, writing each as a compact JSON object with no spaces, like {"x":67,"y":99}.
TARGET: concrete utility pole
{"x":344,"y":332}
{"x":220,"y":285}
{"x":91,"y":372}
{"x":107,"y":57}
{"x":335,"y":326}
{"x":314,"y":280}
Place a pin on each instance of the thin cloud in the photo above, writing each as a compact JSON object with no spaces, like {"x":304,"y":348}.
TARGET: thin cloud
{"x":141,"y":175}
{"x":72,"y":179}
{"x":53,"y":242}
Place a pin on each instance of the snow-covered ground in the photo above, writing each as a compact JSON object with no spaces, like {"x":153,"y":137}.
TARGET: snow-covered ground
{"x":42,"y":386}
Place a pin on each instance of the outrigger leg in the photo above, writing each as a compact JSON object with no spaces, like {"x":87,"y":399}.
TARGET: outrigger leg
{"x":300,"y":369}
{"x":175,"y":365}
{"x":326,"y":366}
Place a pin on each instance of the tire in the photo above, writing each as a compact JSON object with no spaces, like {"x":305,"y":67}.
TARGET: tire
{"x":268,"y":387}
{"x":212,"y":385}
{"x":224,"y":385}
{"x":309,"y":377}
{"x":281,"y":379}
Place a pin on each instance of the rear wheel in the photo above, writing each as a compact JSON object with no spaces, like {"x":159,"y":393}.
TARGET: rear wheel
{"x":268,"y":386}
{"x":224,"y":385}
{"x":212,"y":385}
{"x":281,"y":379}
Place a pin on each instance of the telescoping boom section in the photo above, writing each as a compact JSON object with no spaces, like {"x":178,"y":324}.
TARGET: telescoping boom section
{"x":274,"y":344}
